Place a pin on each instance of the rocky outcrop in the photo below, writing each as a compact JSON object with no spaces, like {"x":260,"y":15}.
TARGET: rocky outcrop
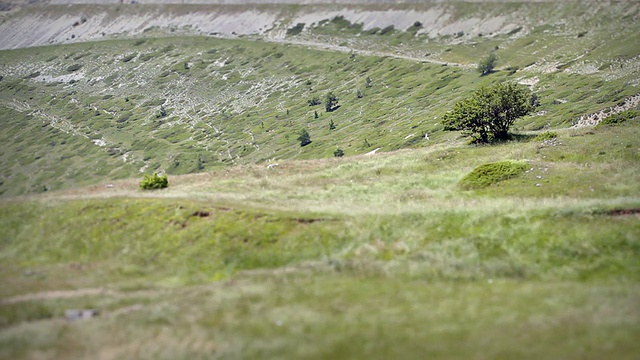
{"x":595,"y":118}
{"x":68,"y":21}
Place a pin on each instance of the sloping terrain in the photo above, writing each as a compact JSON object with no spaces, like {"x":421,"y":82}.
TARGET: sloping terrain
{"x":182,"y":104}
{"x":415,"y":244}
{"x":384,"y":256}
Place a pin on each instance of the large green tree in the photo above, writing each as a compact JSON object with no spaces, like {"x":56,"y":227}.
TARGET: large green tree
{"x":489,"y":112}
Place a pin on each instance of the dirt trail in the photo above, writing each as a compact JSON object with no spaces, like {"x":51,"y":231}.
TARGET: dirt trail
{"x":58,"y":294}
{"x":70,"y":294}
{"x":332,"y":47}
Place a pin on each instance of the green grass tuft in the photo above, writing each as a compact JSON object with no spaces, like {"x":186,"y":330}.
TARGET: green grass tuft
{"x":547,"y":135}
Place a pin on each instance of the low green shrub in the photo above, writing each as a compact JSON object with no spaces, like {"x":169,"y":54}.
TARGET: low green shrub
{"x":74,"y":67}
{"x":295,"y":30}
{"x":129,"y":57}
{"x":547,"y":135}
{"x":387,"y":30}
{"x":489,"y":174}
{"x":619,"y":118}
{"x":304,"y":138}
{"x":155,"y":181}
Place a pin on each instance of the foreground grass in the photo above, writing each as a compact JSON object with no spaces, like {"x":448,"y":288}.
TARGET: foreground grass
{"x":343,"y":316}
{"x":383,"y":256}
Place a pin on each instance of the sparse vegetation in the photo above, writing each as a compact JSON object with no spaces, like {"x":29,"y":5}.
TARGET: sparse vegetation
{"x":547,"y":135}
{"x":74,"y":67}
{"x":621,"y":117}
{"x":314,"y":101}
{"x":387,"y":30}
{"x":295,"y":30}
{"x":129,"y":57}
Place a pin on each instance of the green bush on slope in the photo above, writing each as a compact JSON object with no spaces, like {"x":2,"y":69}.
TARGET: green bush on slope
{"x":154,"y":181}
{"x":489,"y":174}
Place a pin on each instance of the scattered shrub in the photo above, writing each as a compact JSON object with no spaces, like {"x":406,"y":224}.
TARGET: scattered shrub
{"x":162,"y":112}
{"x":304,"y":138}
{"x":547,"y":135}
{"x":295,"y":30}
{"x":74,"y":67}
{"x":315,"y":101}
{"x":514,"y":31}
{"x":340,"y":22}
{"x":619,"y":118}
{"x":331,"y":102}
{"x":387,"y":30}
{"x":489,"y":174}
{"x":129,"y":57}
{"x":486,"y":65}
{"x":372,"y":31}
{"x":338,"y":153}
{"x":512,"y":69}
{"x":155,"y":181}
{"x":33,"y":75}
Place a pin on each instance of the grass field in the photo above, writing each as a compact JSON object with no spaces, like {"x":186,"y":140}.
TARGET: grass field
{"x":415,"y":244}
{"x":379,"y":256}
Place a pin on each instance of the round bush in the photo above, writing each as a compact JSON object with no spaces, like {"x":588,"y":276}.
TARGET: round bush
{"x":154,"y":181}
{"x":489,"y":174}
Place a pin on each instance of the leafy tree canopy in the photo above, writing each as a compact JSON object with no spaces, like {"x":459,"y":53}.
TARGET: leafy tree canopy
{"x":489,"y":112}
{"x":486,"y":65}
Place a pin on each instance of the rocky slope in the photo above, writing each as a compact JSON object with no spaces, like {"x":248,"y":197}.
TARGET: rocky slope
{"x":65,"y":21}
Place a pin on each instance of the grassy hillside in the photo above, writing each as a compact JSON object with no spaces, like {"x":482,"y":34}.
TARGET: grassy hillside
{"x":415,"y":244}
{"x":185,"y":105}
